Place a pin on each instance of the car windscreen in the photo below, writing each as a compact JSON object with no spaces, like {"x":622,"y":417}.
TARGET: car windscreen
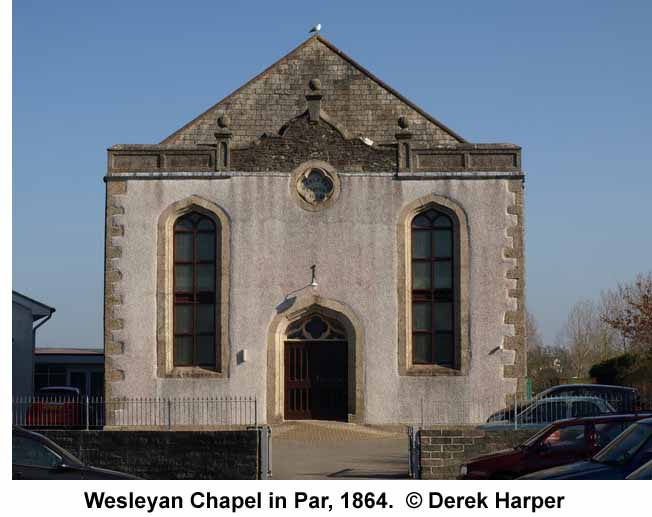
{"x":625,"y":446}
{"x":536,"y":437}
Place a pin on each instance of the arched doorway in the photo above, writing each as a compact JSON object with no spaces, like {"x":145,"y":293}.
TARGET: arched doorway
{"x":316,"y":369}
{"x":292,"y":315}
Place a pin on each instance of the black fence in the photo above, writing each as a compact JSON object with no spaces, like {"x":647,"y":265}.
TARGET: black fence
{"x":96,"y":412}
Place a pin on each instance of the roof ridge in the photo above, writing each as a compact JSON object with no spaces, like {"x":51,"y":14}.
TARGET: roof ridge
{"x":350,"y":60}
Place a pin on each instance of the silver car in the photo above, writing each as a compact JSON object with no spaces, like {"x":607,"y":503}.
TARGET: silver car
{"x":542,"y":412}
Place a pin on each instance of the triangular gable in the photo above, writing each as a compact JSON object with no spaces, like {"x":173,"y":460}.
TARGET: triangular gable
{"x":362,"y":104}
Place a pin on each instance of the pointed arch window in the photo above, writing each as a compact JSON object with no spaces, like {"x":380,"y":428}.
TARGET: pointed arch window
{"x":195,"y":292}
{"x":433,"y":289}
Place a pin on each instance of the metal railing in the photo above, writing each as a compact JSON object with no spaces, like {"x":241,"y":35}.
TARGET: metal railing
{"x":96,"y":412}
{"x":518,"y":411}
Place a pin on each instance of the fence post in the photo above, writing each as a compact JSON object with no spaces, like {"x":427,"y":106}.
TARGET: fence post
{"x":255,"y":412}
{"x":169,"y":414}
{"x":87,"y":413}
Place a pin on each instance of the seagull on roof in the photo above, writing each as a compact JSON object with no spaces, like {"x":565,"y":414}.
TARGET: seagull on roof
{"x":316,"y":28}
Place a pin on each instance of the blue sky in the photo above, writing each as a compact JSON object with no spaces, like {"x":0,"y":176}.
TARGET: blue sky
{"x":568,"y":81}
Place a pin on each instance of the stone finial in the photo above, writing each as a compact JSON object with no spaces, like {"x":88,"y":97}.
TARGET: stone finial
{"x":223,"y":121}
{"x":223,"y":143}
{"x":404,"y":146}
{"x":314,"y":99}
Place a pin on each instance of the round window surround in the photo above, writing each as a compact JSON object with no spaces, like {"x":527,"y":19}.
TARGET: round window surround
{"x":315,"y":185}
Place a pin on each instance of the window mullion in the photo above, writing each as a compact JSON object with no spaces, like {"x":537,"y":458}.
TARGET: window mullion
{"x":194,"y":296}
{"x":432,"y":297}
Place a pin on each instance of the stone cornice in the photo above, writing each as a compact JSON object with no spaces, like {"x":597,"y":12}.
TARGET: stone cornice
{"x":184,"y":159}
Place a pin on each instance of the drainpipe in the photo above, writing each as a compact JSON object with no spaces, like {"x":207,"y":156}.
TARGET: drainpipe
{"x":34,"y":329}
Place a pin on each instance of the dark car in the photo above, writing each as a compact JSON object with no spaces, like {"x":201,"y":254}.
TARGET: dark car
{"x":623,"y":399}
{"x":643,"y":472}
{"x":36,"y":457}
{"x":562,"y":442}
{"x":630,"y":450}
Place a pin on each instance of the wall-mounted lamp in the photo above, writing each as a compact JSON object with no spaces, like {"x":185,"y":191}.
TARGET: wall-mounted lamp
{"x":313,"y":281}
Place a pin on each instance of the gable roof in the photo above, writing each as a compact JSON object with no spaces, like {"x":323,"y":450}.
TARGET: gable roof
{"x":363,"y":104}
{"x":38,"y":309}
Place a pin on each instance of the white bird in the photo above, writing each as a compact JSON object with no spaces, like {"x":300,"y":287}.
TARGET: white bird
{"x":316,"y":28}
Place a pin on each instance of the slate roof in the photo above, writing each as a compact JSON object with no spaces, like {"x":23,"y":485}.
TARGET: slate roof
{"x":360,"y":102}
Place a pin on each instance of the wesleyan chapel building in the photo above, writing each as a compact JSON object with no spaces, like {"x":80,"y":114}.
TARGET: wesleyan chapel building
{"x":416,"y":236}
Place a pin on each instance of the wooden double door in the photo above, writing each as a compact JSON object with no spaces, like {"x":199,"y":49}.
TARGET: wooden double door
{"x":316,"y":380}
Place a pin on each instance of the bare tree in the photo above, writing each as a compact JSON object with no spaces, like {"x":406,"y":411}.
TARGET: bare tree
{"x":586,"y":337}
{"x":630,"y":314}
{"x":547,"y":365}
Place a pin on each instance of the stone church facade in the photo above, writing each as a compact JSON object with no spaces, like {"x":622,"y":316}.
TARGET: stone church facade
{"x":416,"y":296}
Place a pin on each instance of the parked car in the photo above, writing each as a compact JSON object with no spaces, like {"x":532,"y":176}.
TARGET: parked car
{"x":562,"y":442}
{"x":643,"y":472}
{"x":55,"y":406}
{"x":542,"y":412}
{"x":626,"y":453}
{"x":36,"y":457}
{"x":623,"y":399}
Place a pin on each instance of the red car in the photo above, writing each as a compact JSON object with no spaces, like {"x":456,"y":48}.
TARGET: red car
{"x":562,"y":442}
{"x":55,"y":407}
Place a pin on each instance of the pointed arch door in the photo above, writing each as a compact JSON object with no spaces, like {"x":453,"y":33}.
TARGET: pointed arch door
{"x":316,"y":370}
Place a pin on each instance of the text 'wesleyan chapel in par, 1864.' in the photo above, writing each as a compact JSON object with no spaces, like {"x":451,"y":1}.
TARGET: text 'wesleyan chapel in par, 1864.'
{"x":417,"y":238}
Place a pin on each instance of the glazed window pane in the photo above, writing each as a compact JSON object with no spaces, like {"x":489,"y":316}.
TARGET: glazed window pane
{"x":205,"y":277}
{"x":444,"y":351}
{"x":183,"y":247}
{"x":443,"y":275}
{"x":183,"y":350}
{"x":443,"y":244}
{"x":422,"y":316}
{"x":422,"y":348}
{"x":205,"y":246}
{"x":183,"y":277}
{"x":183,"y":319}
{"x":444,"y":316}
{"x":421,"y":244}
{"x":206,"y":350}
{"x":205,"y":318}
{"x":421,"y":275}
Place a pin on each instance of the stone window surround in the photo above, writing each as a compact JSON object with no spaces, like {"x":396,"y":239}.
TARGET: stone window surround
{"x":164,"y":293}
{"x":328,"y":170}
{"x":461,"y":289}
{"x":298,"y":308}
